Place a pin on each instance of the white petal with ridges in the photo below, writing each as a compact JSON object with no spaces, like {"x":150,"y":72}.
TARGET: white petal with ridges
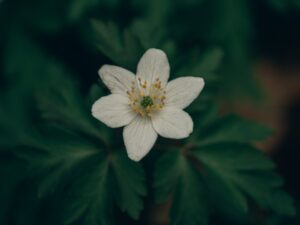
{"x":117,"y":79}
{"x":113,"y":110}
{"x":182,"y":91}
{"x":139,"y":137}
{"x":172,"y":123}
{"x":153,"y":64}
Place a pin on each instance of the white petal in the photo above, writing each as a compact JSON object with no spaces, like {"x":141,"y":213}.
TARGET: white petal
{"x":117,"y":79}
{"x":172,"y":123}
{"x":182,"y":91}
{"x":113,"y":110}
{"x":154,"y":64}
{"x":139,"y":137}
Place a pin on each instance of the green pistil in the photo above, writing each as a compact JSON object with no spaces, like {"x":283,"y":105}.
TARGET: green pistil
{"x":146,"y":101}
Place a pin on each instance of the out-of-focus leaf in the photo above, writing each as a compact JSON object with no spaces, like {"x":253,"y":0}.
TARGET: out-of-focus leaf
{"x":55,"y":90}
{"x":144,"y":31}
{"x":90,"y":198}
{"x":245,"y":172}
{"x":46,"y":16}
{"x":110,"y":179}
{"x":11,"y":176}
{"x":230,"y":28}
{"x":14,"y":118}
{"x":233,"y":128}
{"x":174,"y":175}
{"x":129,"y":184}
{"x":232,"y":173}
{"x":94,"y":94}
{"x":19,"y":68}
{"x":61,"y":102}
{"x":122,"y":48}
{"x":96,"y":179}
{"x":203,"y":66}
{"x":52,"y":156}
{"x":78,"y":7}
{"x":285,"y":5}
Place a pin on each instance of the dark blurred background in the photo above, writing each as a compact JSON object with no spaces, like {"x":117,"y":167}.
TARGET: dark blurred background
{"x":259,"y":72}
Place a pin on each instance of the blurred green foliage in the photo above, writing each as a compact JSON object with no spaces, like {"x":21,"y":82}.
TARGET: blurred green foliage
{"x":285,"y":6}
{"x":61,"y":166}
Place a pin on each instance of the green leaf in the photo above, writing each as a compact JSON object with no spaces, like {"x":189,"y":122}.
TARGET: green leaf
{"x":52,"y":156}
{"x":220,"y":176}
{"x":266,"y":192}
{"x":90,"y":197}
{"x":14,"y":117}
{"x":249,"y":158}
{"x":56,"y":93}
{"x":97,"y":180}
{"x":205,"y":117}
{"x":123,"y":48}
{"x":204,"y":66}
{"x":60,"y":102}
{"x":225,"y":197}
{"x":245,"y":172}
{"x":175,"y":175}
{"x":143,"y":29}
{"x":18,"y":67}
{"x":11,"y":176}
{"x":130,"y":184}
{"x":78,"y":8}
{"x":106,"y":180}
{"x":233,"y":128}
{"x":94,"y":94}
{"x":210,"y":62}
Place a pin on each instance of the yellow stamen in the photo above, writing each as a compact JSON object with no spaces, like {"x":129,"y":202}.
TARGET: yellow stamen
{"x":154,"y":95}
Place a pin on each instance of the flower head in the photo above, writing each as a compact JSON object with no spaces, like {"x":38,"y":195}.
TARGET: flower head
{"x":145,"y":103}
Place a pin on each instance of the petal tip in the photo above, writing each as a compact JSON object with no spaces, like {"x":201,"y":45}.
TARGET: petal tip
{"x":201,"y":81}
{"x":134,"y":157}
{"x":133,"y":154}
{"x":156,"y":50}
{"x":101,"y":70}
{"x":201,"y":84}
{"x":93,"y":108}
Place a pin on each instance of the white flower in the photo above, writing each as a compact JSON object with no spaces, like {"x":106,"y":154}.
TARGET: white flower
{"x":146,"y":104}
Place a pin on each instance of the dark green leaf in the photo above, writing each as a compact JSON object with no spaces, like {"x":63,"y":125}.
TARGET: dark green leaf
{"x":52,"y":157}
{"x":90,"y":198}
{"x":97,"y":180}
{"x":175,"y":175}
{"x":11,"y":176}
{"x":130,"y":184}
{"x":123,"y":48}
{"x":203,"y":66}
{"x":78,"y":8}
{"x":233,"y":128}
{"x":109,"y":180}
{"x":244,"y":171}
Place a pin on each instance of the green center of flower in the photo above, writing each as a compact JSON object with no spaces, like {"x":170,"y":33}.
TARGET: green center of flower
{"x":146,"y":101}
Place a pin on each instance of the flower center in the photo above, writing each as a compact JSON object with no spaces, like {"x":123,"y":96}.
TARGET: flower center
{"x":146,"y":99}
